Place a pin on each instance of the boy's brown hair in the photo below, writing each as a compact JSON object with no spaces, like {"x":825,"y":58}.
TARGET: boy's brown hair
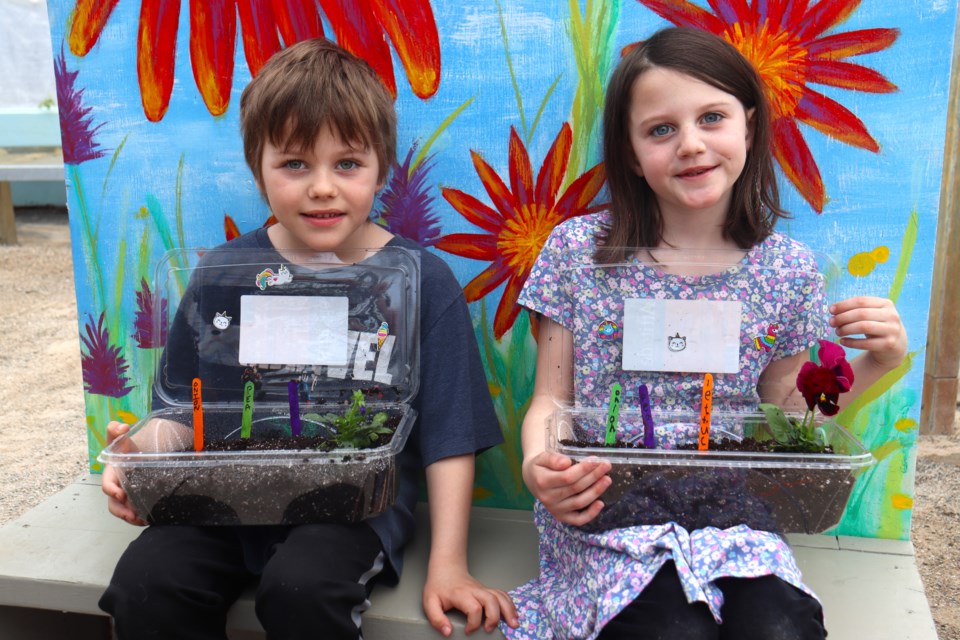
{"x":311,"y":85}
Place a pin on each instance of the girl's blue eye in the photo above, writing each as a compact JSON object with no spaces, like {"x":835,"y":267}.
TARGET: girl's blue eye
{"x":661,"y":130}
{"x":712,"y":118}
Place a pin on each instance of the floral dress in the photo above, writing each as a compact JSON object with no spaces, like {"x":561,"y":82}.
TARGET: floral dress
{"x":586,"y":578}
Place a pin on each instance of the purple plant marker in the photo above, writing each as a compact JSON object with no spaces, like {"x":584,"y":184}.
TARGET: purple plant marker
{"x":648,"y":440}
{"x":294,"y":398}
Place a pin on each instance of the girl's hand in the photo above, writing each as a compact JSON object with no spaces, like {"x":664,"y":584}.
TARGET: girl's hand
{"x":117,"y":501}
{"x":876,"y":319}
{"x":569,"y":491}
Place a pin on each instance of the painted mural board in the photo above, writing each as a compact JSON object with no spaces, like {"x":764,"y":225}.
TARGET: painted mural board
{"x":497,"y":99}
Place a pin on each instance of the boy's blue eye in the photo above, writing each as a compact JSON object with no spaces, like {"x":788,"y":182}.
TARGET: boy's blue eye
{"x":346,"y":165}
{"x":296,"y":165}
{"x":661,"y":130}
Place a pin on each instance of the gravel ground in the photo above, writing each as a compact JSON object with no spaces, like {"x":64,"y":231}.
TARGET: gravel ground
{"x":44,"y":436}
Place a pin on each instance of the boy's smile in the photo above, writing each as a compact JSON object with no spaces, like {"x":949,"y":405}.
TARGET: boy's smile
{"x":322,"y":197}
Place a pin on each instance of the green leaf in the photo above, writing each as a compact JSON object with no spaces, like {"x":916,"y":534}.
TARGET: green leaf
{"x":783,"y":430}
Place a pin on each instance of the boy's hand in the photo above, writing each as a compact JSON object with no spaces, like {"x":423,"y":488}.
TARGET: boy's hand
{"x":117,"y":502}
{"x":876,"y":319}
{"x":569,"y":491}
{"x":456,"y":589}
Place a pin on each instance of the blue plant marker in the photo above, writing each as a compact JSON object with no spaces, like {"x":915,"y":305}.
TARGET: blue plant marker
{"x":294,"y":397}
{"x":613,"y":415}
{"x":649,"y":442}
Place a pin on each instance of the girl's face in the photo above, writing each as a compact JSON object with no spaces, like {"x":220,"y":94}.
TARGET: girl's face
{"x":690,"y":141}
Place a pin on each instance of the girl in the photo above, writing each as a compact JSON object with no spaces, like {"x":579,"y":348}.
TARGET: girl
{"x":686,"y":144}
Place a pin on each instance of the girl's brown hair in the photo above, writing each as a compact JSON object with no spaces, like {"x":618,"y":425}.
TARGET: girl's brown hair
{"x":311,"y":85}
{"x":636,"y":220}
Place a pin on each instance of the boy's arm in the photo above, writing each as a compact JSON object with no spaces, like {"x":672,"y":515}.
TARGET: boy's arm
{"x":449,"y":584}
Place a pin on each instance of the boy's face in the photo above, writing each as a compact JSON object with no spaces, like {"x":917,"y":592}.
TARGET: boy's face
{"x":321,"y":197}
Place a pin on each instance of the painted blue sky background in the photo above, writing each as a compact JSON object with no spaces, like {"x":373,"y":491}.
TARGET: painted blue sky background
{"x":870,"y":196}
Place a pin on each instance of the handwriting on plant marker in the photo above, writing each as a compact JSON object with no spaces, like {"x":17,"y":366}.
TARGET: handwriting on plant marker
{"x":197,"y":393}
{"x":613,"y":414}
{"x":706,"y":405}
{"x":247,"y":418}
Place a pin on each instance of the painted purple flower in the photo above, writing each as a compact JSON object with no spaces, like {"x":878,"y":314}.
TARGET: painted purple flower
{"x":407,"y":207}
{"x":76,"y":123}
{"x":103,"y":364}
{"x":149,"y":326}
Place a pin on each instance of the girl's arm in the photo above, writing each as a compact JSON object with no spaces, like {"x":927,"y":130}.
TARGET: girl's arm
{"x":569,"y":491}
{"x":778,"y":383}
{"x":449,"y":584}
{"x":884,"y":341}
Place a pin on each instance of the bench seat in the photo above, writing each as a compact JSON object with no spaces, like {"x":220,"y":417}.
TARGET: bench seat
{"x":56,"y":559}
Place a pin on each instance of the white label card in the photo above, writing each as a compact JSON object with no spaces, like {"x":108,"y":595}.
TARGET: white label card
{"x":690,"y":336}
{"x":299,"y":330}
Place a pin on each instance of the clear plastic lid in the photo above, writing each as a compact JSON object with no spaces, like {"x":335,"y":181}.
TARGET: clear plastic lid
{"x":663,"y":318}
{"x":307,"y":322}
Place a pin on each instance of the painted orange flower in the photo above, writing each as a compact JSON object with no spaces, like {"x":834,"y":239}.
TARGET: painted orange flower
{"x":785,"y":41}
{"x":359,"y":27}
{"x":522,"y":217}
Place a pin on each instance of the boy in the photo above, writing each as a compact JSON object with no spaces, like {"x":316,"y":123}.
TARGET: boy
{"x":319,"y":134}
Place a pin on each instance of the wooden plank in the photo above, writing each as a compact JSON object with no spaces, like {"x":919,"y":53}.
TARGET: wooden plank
{"x":8,"y":223}
{"x":943,"y":327}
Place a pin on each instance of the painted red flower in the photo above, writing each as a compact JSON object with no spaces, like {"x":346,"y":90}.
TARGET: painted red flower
{"x":821,"y":385}
{"x":359,"y":27}
{"x":522,"y":217}
{"x":786,"y":42}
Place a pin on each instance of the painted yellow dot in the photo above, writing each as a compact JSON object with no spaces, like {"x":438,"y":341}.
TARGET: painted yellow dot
{"x":901,"y":501}
{"x":861,"y":264}
{"x":126,"y":417}
{"x":905,"y":424}
{"x":880,"y":254}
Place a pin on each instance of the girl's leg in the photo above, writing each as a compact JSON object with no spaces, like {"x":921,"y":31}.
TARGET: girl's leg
{"x":661,"y":612}
{"x":176,"y":582}
{"x":316,"y":583}
{"x":768,"y":608}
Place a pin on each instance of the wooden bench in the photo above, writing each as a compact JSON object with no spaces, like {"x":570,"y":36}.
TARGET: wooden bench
{"x":56,"y":560}
{"x":29,"y":152}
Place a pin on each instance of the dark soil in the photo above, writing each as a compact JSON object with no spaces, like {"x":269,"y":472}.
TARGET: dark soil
{"x":309,"y":481}
{"x":782,"y":499}
{"x":749,"y":445}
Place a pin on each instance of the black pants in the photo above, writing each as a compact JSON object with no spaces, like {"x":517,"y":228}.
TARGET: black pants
{"x":176,"y":582}
{"x":765,"y":608}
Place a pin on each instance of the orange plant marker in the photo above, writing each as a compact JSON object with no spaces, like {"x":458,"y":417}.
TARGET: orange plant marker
{"x":197,"y":415}
{"x":706,"y":404}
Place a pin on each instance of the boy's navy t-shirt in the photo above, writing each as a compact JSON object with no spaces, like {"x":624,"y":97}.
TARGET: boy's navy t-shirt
{"x":455,"y":413}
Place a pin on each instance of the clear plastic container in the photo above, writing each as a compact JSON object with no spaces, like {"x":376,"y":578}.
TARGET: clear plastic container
{"x":770,"y":491}
{"x":306,"y":332}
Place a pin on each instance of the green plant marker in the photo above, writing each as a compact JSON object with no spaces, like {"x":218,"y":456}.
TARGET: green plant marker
{"x":613,"y":414}
{"x":247,"y":409}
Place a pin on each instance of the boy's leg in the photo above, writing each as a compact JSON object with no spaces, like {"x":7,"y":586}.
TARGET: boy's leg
{"x":662,"y":612}
{"x":317,"y":582}
{"x":767,"y":608}
{"x":176,"y":582}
